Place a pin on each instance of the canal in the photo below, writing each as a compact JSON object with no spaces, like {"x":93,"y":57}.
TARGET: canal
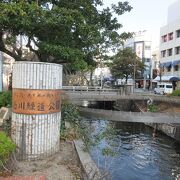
{"x":132,"y":153}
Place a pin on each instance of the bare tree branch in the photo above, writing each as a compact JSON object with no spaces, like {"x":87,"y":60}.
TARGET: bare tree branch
{"x":31,"y":49}
{"x":5,"y":50}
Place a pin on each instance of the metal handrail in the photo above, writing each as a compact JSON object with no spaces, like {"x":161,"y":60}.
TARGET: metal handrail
{"x":86,"y":88}
{"x":92,"y":89}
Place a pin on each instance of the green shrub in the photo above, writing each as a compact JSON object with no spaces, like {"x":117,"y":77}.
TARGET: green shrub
{"x":176,"y":93}
{"x":69,"y":113}
{"x":5,"y":99}
{"x":6,"y":148}
{"x":6,"y":126}
{"x":152,"y":108}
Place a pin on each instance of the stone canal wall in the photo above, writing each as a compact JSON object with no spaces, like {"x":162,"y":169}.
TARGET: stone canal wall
{"x":171,"y":130}
{"x":146,"y":117}
{"x":166,"y":122}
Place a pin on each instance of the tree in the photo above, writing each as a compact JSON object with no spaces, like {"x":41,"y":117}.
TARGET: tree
{"x":126,"y":64}
{"x":67,"y":31}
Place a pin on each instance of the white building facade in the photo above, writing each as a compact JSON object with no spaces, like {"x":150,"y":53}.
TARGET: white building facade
{"x":170,"y":46}
{"x":5,"y":71}
{"x":155,"y":63}
{"x":141,"y":44}
{"x":170,"y":49}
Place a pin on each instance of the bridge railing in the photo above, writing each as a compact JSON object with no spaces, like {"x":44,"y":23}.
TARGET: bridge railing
{"x":120,"y":91}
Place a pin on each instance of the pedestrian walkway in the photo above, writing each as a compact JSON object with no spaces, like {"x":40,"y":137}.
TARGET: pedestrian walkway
{"x":63,"y":165}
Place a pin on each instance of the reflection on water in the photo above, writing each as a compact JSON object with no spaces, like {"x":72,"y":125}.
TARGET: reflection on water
{"x":140,"y":156}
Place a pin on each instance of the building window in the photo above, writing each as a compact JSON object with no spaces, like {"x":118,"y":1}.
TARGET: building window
{"x":178,"y":33}
{"x":163,"y":53}
{"x":148,"y":60}
{"x":169,"y":68}
{"x":170,"y":52}
{"x":176,"y":68}
{"x":147,"y":47}
{"x":170,"y":36}
{"x":177,"y":50}
{"x":164,"y":38}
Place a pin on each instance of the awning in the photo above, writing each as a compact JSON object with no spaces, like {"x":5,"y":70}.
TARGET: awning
{"x":176,"y":62}
{"x":162,"y":78}
{"x":166,"y":64}
{"x":175,"y":79}
{"x":162,"y":65}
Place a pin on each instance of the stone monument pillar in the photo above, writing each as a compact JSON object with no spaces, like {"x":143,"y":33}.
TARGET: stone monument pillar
{"x":36,"y":109}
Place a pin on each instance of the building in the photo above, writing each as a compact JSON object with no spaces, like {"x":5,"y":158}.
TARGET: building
{"x":141,"y":44}
{"x":170,"y":47}
{"x":5,"y":71}
{"x":155,"y":63}
{"x":6,"y":61}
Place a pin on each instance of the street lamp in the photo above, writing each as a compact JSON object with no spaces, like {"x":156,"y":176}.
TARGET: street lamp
{"x":160,"y":72}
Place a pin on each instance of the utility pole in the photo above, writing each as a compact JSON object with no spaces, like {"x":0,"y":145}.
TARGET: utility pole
{"x":134,"y":75}
{"x":160,"y":71}
{"x":1,"y":71}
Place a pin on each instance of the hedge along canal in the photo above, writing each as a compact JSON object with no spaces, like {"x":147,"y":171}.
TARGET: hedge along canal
{"x":133,"y":153}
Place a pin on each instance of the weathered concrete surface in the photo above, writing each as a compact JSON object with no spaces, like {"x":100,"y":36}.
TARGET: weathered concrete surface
{"x":171,"y":130}
{"x":35,"y":124}
{"x":146,"y":117}
{"x":112,"y":96}
{"x":5,"y":114}
{"x":63,"y":165}
{"x":88,"y":165}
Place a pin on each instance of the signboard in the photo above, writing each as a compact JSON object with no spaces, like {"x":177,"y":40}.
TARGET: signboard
{"x":139,"y":49}
{"x":27,"y":101}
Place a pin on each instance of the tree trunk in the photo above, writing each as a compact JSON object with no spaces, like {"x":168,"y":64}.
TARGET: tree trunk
{"x":126,"y":79}
{"x":91,"y":74}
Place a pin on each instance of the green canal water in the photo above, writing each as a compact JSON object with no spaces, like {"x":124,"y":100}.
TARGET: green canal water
{"x":132,"y":153}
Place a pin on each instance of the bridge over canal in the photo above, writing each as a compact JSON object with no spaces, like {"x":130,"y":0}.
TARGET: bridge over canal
{"x":113,"y":95}
{"x":169,"y":123}
{"x":80,"y":94}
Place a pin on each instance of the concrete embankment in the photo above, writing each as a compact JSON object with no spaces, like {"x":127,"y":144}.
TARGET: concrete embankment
{"x":89,"y":167}
{"x":168,"y":123}
{"x":146,"y":117}
{"x":171,"y":130}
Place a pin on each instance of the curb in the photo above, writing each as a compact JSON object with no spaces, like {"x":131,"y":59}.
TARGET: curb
{"x":89,"y":167}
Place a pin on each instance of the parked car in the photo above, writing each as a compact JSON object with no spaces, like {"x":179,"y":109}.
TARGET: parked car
{"x":163,"y":88}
